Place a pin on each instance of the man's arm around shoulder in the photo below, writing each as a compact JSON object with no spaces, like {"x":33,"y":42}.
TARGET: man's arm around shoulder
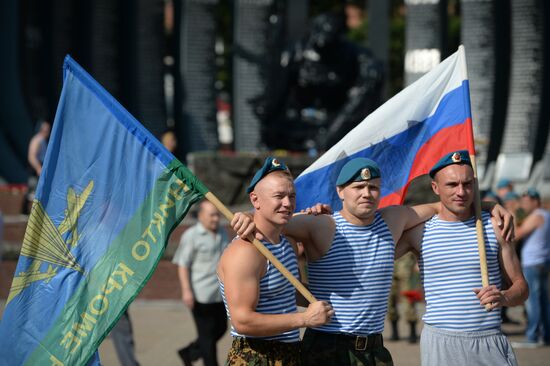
{"x":315,"y":232}
{"x":401,"y":218}
{"x":410,"y":242}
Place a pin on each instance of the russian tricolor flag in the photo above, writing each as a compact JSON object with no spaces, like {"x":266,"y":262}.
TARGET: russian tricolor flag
{"x":406,"y":136}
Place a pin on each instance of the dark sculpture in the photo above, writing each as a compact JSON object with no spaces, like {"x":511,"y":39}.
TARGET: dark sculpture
{"x":324,"y":86}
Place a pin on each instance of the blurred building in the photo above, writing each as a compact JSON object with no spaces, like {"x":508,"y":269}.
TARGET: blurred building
{"x":169,"y":62}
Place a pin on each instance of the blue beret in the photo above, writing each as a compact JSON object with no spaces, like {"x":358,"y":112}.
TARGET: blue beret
{"x":533,"y":193}
{"x":456,"y":157}
{"x":503,"y":183}
{"x":357,"y":170}
{"x":270,"y":165}
{"x":510,"y":196}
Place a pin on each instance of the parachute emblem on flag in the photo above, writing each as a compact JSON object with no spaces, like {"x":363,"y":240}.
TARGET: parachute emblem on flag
{"x":43,"y":242}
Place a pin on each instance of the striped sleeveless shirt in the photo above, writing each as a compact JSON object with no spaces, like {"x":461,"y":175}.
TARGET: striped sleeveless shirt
{"x":355,"y":276}
{"x":536,"y":247}
{"x":277,"y":295}
{"x":449,"y":268}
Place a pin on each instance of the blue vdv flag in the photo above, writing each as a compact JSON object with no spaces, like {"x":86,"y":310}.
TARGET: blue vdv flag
{"x":108,"y":198}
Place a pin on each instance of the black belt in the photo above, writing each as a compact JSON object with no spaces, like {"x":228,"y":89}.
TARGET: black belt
{"x":265,"y":345}
{"x":354,"y":342}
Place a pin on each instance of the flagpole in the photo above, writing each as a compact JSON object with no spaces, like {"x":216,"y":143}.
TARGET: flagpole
{"x":265,"y":252}
{"x":477,"y":198}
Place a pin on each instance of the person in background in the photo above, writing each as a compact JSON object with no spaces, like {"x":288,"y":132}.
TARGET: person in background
{"x":169,"y":141}
{"x":197,"y":256}
{"x":356,"y":23}
{"x":535,"y":261}
{"x":504,"y":186}
{"x":491,"y":196}
{"x":35,"y":156}
{"x":405,"y":288}
{"x":37,"y":147}
{"x":122,"y":336}
{"x":511,"y":202}
{"x":1,"y":236}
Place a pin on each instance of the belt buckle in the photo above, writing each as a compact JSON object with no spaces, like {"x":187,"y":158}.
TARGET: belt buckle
{"x":360,"y":343}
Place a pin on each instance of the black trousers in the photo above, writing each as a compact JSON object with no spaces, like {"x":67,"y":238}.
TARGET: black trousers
{"x":211,"y":322}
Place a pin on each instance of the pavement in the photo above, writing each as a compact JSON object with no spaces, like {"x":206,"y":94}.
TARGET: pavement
{"x":161,"y":327}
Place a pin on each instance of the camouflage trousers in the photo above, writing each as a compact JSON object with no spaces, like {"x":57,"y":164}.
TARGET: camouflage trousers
{"x":259,"y":352}
{"x":330,"y":349}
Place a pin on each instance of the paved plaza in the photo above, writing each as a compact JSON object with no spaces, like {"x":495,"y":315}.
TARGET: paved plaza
{"x":161,"y":327}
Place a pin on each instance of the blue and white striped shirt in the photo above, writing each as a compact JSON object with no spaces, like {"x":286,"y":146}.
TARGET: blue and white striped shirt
{"x":277,"y":295}
{"x":355,"y":276}
{"x":449,"y":267}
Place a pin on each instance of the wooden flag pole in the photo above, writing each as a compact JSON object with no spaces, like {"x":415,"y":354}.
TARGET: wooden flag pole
{"x":479,"y":229}
{"x":265,"y":252}
{"x":477,"y":197}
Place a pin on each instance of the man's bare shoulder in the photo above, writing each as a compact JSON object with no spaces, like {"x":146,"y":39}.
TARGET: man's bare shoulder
{"x":241,"y":255}
{"x":240,"y":247}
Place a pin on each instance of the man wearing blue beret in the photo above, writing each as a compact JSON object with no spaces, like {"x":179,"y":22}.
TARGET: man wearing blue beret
{"x":458,"y":330}
{"x":260,"y":302}
{"x":511,"y":202}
